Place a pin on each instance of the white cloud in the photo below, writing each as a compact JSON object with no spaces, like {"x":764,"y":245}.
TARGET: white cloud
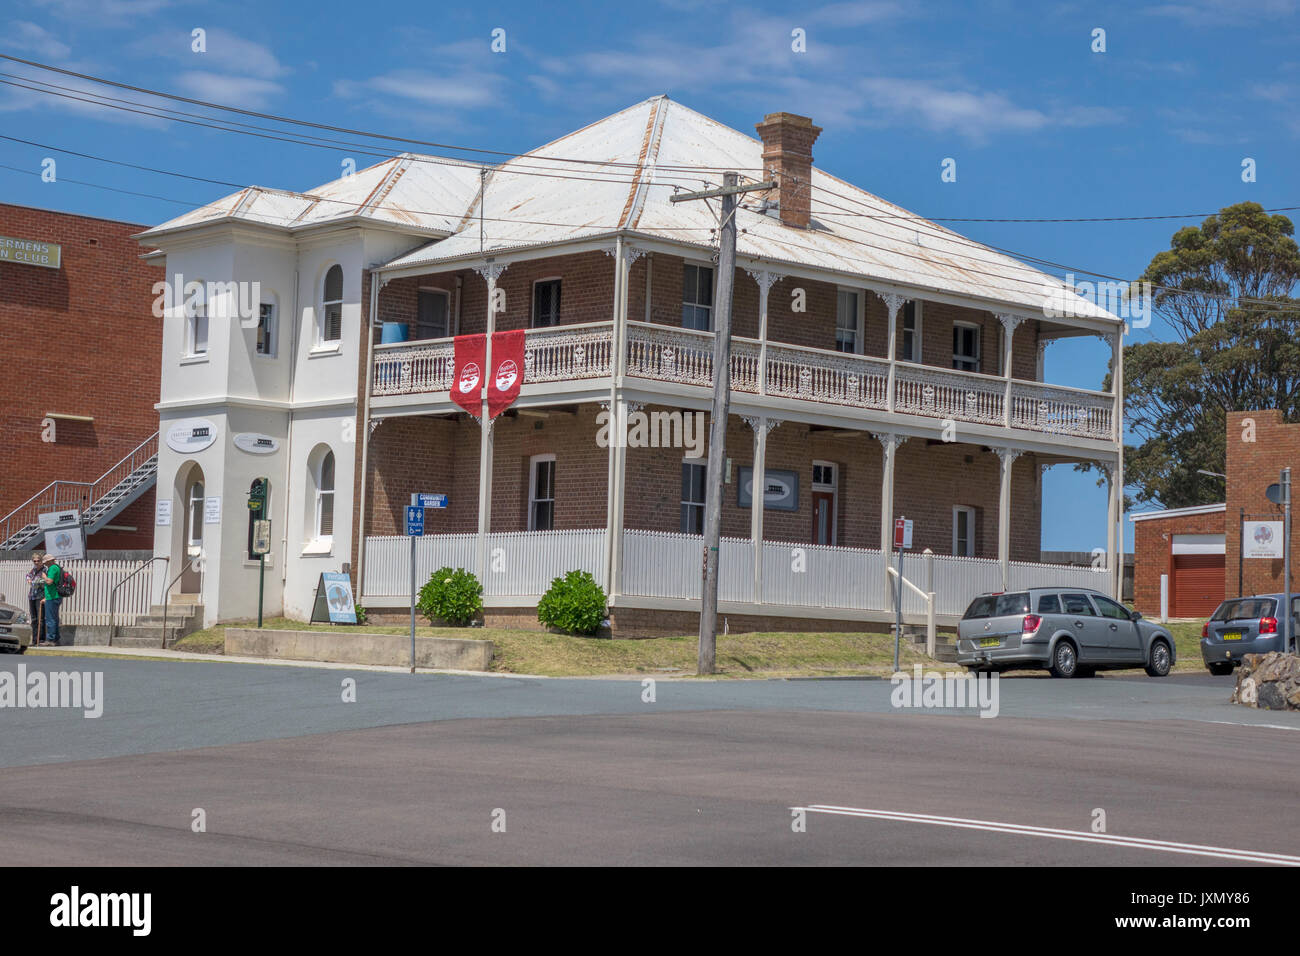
{"x":29,"y":38}
{"x":225,"y":51}
{"x":243,"y":91}
{"x":102,"y":11}
{"x":1203,"y":13}
{"x":454,"y":89}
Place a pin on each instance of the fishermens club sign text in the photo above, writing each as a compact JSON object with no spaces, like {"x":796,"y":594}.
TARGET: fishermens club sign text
{"x":47,"y":254}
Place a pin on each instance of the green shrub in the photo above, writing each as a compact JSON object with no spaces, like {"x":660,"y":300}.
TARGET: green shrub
{"x":574,"y":603}
{"x":451,"y":596}
{"x":361,"y":614}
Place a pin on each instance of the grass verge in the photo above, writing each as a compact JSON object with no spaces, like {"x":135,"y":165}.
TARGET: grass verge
{"x":561,"y":655}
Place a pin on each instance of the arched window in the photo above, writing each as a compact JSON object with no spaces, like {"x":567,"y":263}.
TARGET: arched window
{"x":331,"y":321}
{"x":324,"y":478}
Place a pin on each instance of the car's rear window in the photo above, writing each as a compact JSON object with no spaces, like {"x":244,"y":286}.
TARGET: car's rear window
{"x":1245,"y":608}
{"x":1049,"y":604}
{"x":980,"y":607}
{"x":1017,"y":603}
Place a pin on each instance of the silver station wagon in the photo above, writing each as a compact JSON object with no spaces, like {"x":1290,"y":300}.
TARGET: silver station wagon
{"x":1072,"y":632}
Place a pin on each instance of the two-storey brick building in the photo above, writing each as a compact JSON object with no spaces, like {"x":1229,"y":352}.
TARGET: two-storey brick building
{"x":880,"y":366}
{"x":80,"y":345}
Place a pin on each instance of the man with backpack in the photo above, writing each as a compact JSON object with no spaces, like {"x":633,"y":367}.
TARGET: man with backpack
{"x":51,"y":578}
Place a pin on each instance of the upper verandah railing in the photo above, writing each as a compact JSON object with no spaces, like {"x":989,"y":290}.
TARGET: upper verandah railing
{"x":666,"y":353}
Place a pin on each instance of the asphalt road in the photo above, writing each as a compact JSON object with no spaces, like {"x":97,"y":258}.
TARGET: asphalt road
{"x":586,"y":772}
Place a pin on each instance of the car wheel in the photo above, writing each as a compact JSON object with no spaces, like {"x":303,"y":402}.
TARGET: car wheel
{"x":1220,"y":668}
{"x":1158,"y":665}
{"x":1065,"y":660}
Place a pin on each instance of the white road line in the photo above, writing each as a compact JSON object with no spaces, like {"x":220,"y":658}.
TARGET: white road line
{"x":1081,"y":836}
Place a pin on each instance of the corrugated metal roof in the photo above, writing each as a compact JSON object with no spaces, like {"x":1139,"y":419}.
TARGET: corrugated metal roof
{"x":631,"y":163}
{"x":429,"y":193}
{"x":662,"y":136}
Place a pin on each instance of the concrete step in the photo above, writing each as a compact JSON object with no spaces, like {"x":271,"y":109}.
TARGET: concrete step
{"x":147,"y":636}
{"x":192,"y":621}
{"x":175,"y":611}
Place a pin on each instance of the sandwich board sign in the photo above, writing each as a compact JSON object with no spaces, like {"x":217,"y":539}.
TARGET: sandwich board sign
{"x":334,"y":601}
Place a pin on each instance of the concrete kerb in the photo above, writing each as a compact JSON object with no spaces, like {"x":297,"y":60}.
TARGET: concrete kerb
{"x":392,"y":650}
{"x":103,"y":650}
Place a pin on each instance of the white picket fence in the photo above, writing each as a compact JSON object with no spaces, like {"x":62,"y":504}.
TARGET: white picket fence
{"x":668,"y":565}
{"x":95,"y":582}
{"x":519,"y":562}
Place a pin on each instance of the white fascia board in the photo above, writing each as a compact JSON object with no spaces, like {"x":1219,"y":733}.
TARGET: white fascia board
{"x":1178,"y":512}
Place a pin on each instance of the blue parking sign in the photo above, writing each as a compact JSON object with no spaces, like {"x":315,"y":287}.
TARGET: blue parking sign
{"x":414,"y":520}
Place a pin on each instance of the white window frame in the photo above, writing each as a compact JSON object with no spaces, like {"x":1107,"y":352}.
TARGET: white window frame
{"x":532,"y":308}
{"x":859,"y":320}
{"x":430,"y":290}
{"x":917,"y":354}
{"x":969,"y":512}
{"x":684,"y":526}
{"x":533,"y":462}
{"x":833,"y":488}
{"x":322,"y":493}
{"x":272,"y":338}
{"x":193,"y":323}
{"x":978,"y":330}
{"x":322,"y":317}
{"x":713,"y":292}
{"x":195,"y":506}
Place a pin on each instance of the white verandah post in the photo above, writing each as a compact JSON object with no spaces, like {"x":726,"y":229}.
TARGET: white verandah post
{"x":1007,"y":456}
{"x":761,"y":426}
{"x":491,"y":271}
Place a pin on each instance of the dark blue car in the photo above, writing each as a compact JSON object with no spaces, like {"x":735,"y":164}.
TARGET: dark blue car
{"x":1246,"y":625}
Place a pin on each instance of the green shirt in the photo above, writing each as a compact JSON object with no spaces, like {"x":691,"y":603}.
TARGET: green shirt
{"x":53,"y":572}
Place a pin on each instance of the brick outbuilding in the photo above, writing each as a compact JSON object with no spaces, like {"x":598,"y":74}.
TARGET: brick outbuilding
{"x":1200,"y":548}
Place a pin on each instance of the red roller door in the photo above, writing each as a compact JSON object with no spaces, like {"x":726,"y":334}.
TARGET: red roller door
{"x":1198,"y":584}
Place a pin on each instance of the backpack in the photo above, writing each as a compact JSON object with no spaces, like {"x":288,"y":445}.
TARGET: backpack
{"x":67,"y":585}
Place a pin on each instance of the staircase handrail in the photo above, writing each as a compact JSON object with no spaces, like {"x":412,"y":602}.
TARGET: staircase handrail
{"x":167,"y":596}
{"x":112,"y":595}
{"x":135,"y":458}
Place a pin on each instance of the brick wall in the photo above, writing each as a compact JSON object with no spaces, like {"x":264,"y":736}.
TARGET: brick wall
{"x":428,"y":454}
{"x":77,"y":340}
{"x":587,"y":289}
{"x":1153,"y":554}
{"x":1252,"y":467}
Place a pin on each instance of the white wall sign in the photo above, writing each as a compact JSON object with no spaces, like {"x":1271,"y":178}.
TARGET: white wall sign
{"x":257,"y":444}
{"x":212,"y":510}
{"x":163,"y":514}
{"x":50,"y":520}
{"x":1261,"y":539}
{"x":66,"y":543}
{"x":191,"y":434}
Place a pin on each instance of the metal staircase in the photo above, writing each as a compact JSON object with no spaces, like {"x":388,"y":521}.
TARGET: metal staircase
{"x":99,"y":501}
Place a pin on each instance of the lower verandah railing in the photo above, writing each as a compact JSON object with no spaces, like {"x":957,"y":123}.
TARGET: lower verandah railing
{"x":667,"y":565}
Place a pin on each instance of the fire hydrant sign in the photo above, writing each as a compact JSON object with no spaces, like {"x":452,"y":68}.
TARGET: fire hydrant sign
{"x":903,"y":533}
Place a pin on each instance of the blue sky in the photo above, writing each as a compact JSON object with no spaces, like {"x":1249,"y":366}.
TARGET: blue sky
{"x":1038,"y":123}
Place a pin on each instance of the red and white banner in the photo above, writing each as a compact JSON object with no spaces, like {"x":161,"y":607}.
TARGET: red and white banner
{"x":507,"y":370}
{"x":467,"y":369}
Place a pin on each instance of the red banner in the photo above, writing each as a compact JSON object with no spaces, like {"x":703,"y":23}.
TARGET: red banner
{"x":507,"y":370}
{"x":467,"y":373}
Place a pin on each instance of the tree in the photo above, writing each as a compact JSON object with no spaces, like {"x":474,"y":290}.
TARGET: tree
{"x":1224,"y":289}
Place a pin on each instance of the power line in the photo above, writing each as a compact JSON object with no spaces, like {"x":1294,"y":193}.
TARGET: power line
{"x":513,"y":155}
{"x":316,"y":199}
{"x":323,"y":126}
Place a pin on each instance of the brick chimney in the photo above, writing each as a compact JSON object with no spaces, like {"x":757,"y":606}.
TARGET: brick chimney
{"x":787,"y":158}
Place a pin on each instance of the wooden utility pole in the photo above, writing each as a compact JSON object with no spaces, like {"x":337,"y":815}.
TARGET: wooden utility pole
{"x":722,"y":294}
